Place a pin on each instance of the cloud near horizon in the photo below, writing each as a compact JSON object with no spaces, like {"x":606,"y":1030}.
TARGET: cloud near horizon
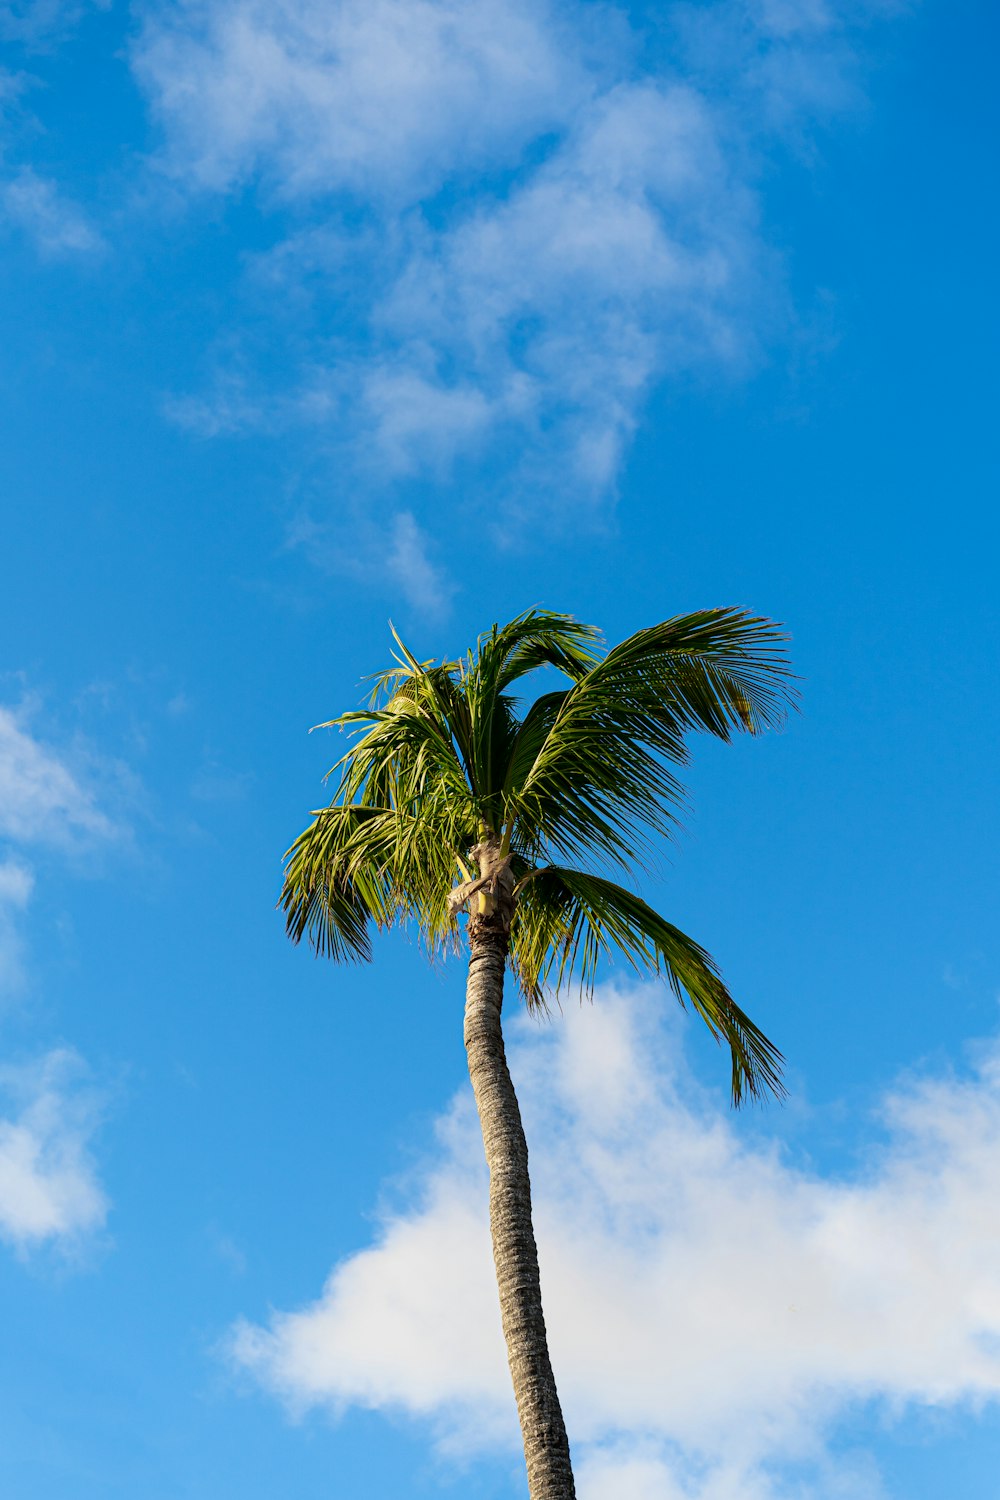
{"x":714,"y":1308}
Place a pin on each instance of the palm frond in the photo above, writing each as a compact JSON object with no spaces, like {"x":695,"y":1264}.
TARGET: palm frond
{"x":417,"y":721}
{"x":536,"y":638}
{"x":319,"y":897}
{"x":723,"y":671}
{"x":442,"y":760}
{"x":502,"y":656}
{"x":354,"y":866}
{"x":600,"y":780}
{"x":568,"y":919}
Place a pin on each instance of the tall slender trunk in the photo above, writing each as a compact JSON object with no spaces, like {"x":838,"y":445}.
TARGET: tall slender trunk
{"x":546,"y":1449}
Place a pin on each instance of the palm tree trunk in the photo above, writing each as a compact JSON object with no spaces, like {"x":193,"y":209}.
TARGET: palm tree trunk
{"x":546,"y":1449}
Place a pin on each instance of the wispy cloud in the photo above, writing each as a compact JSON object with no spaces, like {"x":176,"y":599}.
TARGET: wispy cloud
{"x":713,"y":1307}
{"x":384,"y":99}
{"x":44,"y":798}
{"x":37,"y":207}
{"x":389,"y":546}
{"x":50,"y":802}
{"x":38,"y":23}
{"x":49,"y":1189}
{"x":16,"y":885}
{"x":539,"y":322}
{"x":33,"y":205}
{"x":499,"y":226}
{"x":53,"y":800}
{"x":409,"y":566}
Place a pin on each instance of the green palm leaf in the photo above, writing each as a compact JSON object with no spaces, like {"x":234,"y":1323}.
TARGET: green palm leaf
{"x":443,"y":764}
{"x":567,"y":920}
{"x":600,"y":779}
{"x":453,"y":797}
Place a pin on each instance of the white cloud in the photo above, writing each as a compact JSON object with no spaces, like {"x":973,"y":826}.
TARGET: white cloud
{"x":32,"y":204}
{"x":407,"y":563}
{"x":36,"y":206}
{"x":630,"y":252}
{"x":382,"y":98}
{"x":48,"y":801}
{"x":49,"y":1191}
{"x":16,"y":884}
{"x":390,"y":547}
{"x":228,"y":408}
{"x":713,"y":1308}
{"x":527,"y":227}
{"x":43,"y":799}
{"x":12,"y":85}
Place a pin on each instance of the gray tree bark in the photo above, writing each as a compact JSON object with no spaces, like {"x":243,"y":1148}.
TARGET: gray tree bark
{"x":546,"y":1448}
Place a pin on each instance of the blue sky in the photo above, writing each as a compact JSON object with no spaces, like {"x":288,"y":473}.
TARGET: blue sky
{"x":317,"y":314}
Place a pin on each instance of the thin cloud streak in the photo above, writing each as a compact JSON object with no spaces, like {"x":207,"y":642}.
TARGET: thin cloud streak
{"x":391,"y":546}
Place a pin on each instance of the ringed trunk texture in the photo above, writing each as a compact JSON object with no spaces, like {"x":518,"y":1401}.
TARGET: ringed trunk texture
{"x":546,"y":1449}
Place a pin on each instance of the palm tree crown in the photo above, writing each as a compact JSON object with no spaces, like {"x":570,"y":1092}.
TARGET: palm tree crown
{"x":452,"y":777}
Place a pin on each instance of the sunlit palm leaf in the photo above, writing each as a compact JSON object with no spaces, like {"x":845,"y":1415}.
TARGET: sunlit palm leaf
{"x":600,"y":778}
{"x":441,"y":760}
{"x":567,"y":920}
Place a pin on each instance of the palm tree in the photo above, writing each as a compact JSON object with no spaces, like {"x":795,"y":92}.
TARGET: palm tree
{"x":449,"y":777}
